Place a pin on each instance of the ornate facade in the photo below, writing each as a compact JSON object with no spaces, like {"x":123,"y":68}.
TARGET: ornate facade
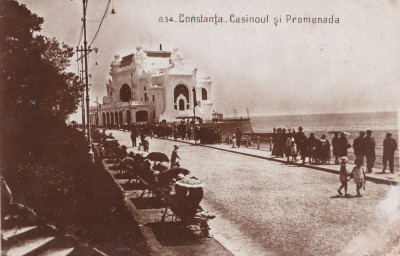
{"x":153,"y":85}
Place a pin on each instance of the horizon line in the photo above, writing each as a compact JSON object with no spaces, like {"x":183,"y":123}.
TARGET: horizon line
{"x":329,"y":113}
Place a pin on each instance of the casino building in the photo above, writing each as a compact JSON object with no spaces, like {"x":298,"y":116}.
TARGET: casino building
{"x":153,"y":85}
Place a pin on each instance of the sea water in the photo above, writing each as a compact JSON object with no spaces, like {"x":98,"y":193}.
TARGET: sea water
{"x":379,"y":122}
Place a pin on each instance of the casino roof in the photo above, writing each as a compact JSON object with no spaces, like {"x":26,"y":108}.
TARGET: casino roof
{"x":128,"y":59}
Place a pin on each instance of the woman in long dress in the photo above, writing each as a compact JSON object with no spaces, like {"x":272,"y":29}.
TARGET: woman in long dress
{"x":343,"y":145}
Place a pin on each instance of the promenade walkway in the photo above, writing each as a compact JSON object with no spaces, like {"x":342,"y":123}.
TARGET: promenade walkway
{"x":265,"y":206}
{"x":376,"y":176}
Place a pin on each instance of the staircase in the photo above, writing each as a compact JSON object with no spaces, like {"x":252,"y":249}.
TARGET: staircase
{"x":23,"y":234}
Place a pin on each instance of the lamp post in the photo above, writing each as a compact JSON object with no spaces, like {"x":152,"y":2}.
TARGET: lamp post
{"x":83,"y":91}
{"x":86,"y":72}
{"x":234,"y":113}
{"x":86,"y":51}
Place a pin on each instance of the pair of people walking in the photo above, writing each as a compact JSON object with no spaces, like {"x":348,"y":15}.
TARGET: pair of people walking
{"x":340,"y":145}
{"x":358,"y":174}
{"x":364,"y":146}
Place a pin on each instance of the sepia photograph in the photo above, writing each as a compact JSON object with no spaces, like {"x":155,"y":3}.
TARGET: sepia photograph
{"x":204,"y":127}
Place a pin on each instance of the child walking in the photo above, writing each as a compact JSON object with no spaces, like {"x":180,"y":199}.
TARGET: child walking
{"x":344,"y":176}
{"x":359,"y":175}
{"x":233,"y":141}
{"x":293,"y":151}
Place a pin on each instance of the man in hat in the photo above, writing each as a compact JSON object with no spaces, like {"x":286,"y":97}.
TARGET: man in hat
{"x":369,"y":143}
{"x":133,"y":138}
{"x":359,"y":147}
{"x":335,"y":146}
{"x":312,"y":147}
{"x":174,"y":156}
{"x":389,"y":147}
{"x":300,"y":139}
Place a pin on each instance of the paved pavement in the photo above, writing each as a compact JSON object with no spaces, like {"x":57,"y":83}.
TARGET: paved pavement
{"x":273,"y":208}
{"x":376,"y":175}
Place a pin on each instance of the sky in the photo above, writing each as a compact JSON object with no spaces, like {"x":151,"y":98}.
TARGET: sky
{"x":288,"y":68}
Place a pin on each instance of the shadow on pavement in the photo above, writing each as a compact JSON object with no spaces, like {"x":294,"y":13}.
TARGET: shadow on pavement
{"x":133,"y":186}
{"x":148,"y":203}
{"x":345,"y":197}
{"x":173,"y":234}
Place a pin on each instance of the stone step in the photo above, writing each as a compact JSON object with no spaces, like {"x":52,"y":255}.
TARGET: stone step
{"x":15,"y":231}
{"x":58,"y":252}
{"x":25,"y":247}
{"x":11,"y":221}
{"x":28,"y":234}
{"x":62,"y":245}
{"x":18,"y":216}
{"x":59,"y":245}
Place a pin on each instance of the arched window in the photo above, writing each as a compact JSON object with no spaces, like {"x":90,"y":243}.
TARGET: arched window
{"x":181,"y":104}
{"x":181,"y":92}
{"x":125,"y":93}
{"x":181,"y":89}
{"x":203,"y":94}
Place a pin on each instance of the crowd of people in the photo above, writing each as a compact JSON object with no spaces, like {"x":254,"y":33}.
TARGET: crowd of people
{"x":286,"y":142}
{"x":293,"y":144}
{"x":185,"y":130}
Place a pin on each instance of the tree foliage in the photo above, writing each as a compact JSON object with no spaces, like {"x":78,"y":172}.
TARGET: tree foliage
{"x":37,"y":91}
{"x":34,"y":77}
